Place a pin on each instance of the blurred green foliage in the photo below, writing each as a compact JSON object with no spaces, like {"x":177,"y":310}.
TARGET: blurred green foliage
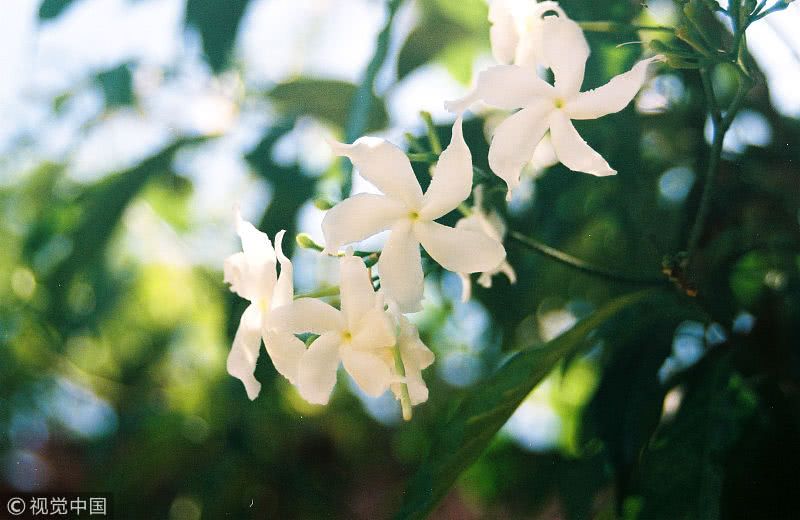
{"x":112,"y":363}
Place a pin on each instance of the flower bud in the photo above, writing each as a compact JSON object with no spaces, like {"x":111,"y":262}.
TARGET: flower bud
{"x":306,"y":242}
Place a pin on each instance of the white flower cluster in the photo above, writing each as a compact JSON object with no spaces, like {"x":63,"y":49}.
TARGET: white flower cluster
{"x":369,"y":334}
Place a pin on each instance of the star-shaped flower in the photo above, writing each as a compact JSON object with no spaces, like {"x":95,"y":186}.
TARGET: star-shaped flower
{"x":410,"y":216}
{"x":550,"y":107}
{"x":253,"y":275}
{"x":360,"y":335}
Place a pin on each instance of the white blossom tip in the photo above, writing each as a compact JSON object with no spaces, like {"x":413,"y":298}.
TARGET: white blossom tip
{"x":337,"y":147}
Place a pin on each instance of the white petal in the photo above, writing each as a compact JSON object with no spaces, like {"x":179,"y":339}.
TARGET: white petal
{"x":466,"y":287}
{"x":515,"y":140}
{"x":284,"y":289}
{"x":416,"y":356}
{"x":459,"y":250}
{"x":373,"y":331}
{"x":316,"y":376}
{"x":505,"y":86}
{"x":306,"y":315}
{"x":252,"y":274}
{"x":503,"y":34}
{"x":359,"y":217}
{"x":530,"y":50}
{"x":611,"y":97}
{"x":565,"y":52}
{"x":384,"y":165}
{"x":235,"y":273}
{"x":369,"y":370}
{"x":255,"y":243}
{"x":244,"y":353}
{"x":572,"y":150}
{"x":452,"y":178}
{"x":356,"y":290}
{"x":400,"y":268}
{"x":286,"y":351}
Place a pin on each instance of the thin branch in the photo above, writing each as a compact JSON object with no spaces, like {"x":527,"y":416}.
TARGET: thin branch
{"x":616,"y":27}
{"x":582,"y":265}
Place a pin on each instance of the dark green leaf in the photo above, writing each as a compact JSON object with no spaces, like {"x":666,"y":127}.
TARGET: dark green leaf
{"x":681,"y":468}
{"x":326,"y":99}
{"x":117,"y":85}
{"x":217,"y":21}
{"x":50,"y":9}
{"x":466,"y":433}
{"x":426,"y":42}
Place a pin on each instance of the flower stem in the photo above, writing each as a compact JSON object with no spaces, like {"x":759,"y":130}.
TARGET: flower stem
{"x":616,"y":27}
{"x":433,"y":137}
{"x":405,"y":398}
{"x":361,"y":104}
{"x":582,"y":265}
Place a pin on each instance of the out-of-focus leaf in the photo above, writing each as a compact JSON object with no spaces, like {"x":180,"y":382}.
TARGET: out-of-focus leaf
{"x":50,"y":9}
{"x":117,"y":85}
{"x":465,"y":434}
{"x":681,"y":468}
{"x":217,"y":21}
{"x":427,"y":41}
{"x":326,"y":99}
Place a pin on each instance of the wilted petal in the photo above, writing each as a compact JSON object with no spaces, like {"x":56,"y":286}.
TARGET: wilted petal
{"x":505,"y":86}
{"x":369,"y":370}
{"x":373,"y":331}
{"x":286,"y":351}
{"x":400,"y":268}
{"x":359,"y":217}
{"x":515,"y":140}
{"x":384,"y":165}
{"x":284,"y":289}
{"x":416,"y":357}
{"x":459,"y":250}
{"x":611,"y":97}
{"x":503,"y":34}
{"x":306,"y":315}
{"x":356,"y":290}
{"x":572,"y":150}
{"x":565,"y":53}
{"x":244,"y":353}
{"x":452,"y":178}
{"x":316,"y":376}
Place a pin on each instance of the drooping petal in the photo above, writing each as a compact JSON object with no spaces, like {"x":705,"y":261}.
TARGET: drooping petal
{"x":356,"y":290}
{"x":503,"y":34}
{"x":466,"y":287}
{"x":369,"y":370}
{"x":306,"y":315}
{"x":611,"y":97}
{"x":459,"y":250}
{"x":284,"y":289}
{"x":255,"y":243}
{"x":400,"y":268}
{"x":359,"y":217}
{"x":316,"y":376}
{"x":416,"y":357}
{"x":244,"y":353}
{"x":252,"y":273}
{"x":565,"y":53}
{"x":505,"y":86}
{"x":572,"y":150}
{"x":384,"y":165}
{"x":373,"y":331}
{"x":452,"y":178}
{"x":515,"y":140}
{"x":286,"y":351}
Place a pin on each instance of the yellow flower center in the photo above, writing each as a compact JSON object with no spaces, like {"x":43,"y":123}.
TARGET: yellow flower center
{"x":413,"y":215}
{"x":559,"y":103}
{"x":347,"y":336}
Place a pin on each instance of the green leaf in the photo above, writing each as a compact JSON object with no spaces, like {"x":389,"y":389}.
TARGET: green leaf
{"x":681,"y":469}
{"x":218,"y":23}
{"x":464,"y":435}
{"x":51,"y":9}
{"x":426,"y":42}
{"x":117,"y":85}
{"x":326,"y":99}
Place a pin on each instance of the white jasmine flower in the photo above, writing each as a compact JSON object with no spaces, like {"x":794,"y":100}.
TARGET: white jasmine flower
{"x":252,"y":274}
{"x":360,"y":335}
{"x":416,"y":357}
{"x":410,"y":216}
{"x":550,"y":107}
{"x":493,"y":226}
{"x":516,"y":36}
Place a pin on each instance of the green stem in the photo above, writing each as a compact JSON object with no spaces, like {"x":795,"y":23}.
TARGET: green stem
{"x":361,"y":104}
{"x":582,"y":265}
{"x":405,"y":398}
{"x":320,"y":293}
{"x":616,"y":27}
{"x":433,"y":137}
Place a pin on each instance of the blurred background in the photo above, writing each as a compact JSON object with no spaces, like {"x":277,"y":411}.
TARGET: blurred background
{"x":131,"y":129}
